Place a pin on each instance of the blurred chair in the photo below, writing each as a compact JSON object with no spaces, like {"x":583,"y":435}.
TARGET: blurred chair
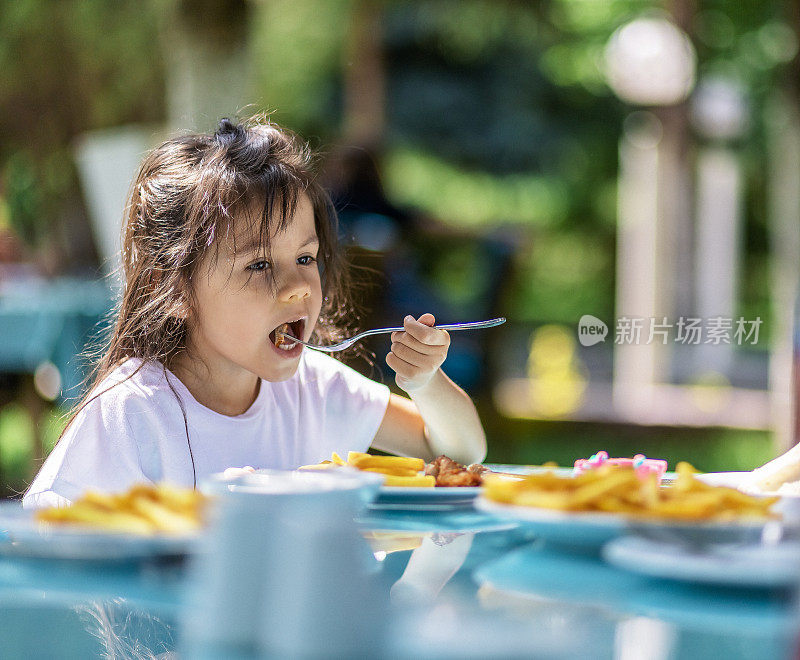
{"x":107,"y":162}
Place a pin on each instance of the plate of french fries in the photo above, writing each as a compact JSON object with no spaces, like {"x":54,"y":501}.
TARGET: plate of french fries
{"x":599,"y":505}
{"x":146,"y":521}
{"x":404,"y":479}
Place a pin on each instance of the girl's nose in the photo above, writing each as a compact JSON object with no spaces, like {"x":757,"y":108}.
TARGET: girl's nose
{"x":296,"y":288}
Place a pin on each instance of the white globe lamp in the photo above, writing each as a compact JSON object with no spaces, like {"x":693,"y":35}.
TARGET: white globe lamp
{"x":650,"y":62}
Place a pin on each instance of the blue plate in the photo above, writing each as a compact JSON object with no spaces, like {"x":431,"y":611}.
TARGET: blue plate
{"x":455,"y":520}
{"x":426,"y":496}
{"x":561,"y":527}
{"x":753,"y":565}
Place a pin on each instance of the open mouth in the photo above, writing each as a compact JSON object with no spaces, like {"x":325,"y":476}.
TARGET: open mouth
{"x":285,"y":334}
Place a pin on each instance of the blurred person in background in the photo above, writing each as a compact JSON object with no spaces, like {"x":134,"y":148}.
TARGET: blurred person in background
{"x":408,"y":258}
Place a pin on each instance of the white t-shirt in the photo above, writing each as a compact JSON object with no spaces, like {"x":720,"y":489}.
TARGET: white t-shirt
{"x":135,"y":431}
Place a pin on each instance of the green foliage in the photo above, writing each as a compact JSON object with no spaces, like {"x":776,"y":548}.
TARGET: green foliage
{"x":498,"y":112}
{"x":68,"y":67}
{"x":483,"y":94}
{"x":16,"y":444}
{"x":24,"y":197}
{"x":473,"y":198}
{"x":499,"y":116}
{"x":297,"y":46}
{"x":708,"y":449}
{"x":564,"y":275}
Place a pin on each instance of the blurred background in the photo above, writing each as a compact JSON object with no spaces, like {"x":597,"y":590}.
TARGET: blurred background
{"x":543,"y":161}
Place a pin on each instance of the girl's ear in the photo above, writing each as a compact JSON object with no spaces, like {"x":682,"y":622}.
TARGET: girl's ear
{"x":180,"y":310}
{"x":180,"y":299}
{"x":176,"y":298}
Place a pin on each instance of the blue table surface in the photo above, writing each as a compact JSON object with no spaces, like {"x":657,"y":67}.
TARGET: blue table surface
{"x":51,"y":321}
{"x":488,"y":571}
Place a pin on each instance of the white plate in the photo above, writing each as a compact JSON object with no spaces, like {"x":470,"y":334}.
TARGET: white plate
{"x":421,"y":496}
{"x":22,"y":536}
{"x":562,"y":527}
{"x":737,"y":565}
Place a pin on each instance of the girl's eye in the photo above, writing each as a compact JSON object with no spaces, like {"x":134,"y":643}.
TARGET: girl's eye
{"x":306,"y":260}
{"x":259,"y":265}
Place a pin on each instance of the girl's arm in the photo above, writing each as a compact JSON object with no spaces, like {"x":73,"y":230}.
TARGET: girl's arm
{"x":440,"y":418}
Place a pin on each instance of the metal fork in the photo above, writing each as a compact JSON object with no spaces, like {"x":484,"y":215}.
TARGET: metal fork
{"x":347,"y":343}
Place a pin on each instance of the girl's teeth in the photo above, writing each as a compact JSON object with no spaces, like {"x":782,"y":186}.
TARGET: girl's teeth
{"x":283,"y":338}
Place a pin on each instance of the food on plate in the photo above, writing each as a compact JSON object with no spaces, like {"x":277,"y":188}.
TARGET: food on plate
{"x":144,"y":509}
{"x":618,"y":489}
{"x":642,"y":465}
{"x":367,"y":461}
{"x":450,"y":473}
{"x":324,"y":465}
{"x":409,"y":472}
{"x":399,"y":471}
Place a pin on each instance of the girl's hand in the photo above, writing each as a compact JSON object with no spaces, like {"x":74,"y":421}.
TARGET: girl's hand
{"x":417,"y":352}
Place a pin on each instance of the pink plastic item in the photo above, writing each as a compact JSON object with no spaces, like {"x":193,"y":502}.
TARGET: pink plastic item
{"x":642,"y":465}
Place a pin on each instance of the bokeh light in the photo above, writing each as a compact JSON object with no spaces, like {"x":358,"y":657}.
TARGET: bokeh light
{"x":557,"y":379}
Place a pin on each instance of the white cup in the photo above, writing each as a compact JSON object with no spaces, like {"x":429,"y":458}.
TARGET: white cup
{"x":285,"y":571}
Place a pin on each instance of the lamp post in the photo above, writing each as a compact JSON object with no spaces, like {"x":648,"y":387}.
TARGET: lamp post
{"x":719,"y":116}
{"x":650,"y":64}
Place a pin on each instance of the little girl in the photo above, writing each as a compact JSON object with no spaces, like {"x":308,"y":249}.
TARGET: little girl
{"x":229,"y":242}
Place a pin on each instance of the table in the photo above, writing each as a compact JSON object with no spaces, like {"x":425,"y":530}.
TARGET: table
{"x":50,"y":321}
{"x":461,"y":584}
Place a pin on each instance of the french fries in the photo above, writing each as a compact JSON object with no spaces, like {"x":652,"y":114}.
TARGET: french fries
{"x":421,"y":481}
{"x":399,"y":470}
{"x":324,"y":465}
{"x":386,"y":462}
{"x":144,"y":509}
{"x":619,"y":490}
{"x":395,"y":472}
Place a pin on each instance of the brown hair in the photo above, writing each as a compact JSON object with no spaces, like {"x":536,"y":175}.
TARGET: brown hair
{"x":183,"y":200}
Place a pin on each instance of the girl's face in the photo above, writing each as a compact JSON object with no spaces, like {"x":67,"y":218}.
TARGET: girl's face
{"x":243,"y":296}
